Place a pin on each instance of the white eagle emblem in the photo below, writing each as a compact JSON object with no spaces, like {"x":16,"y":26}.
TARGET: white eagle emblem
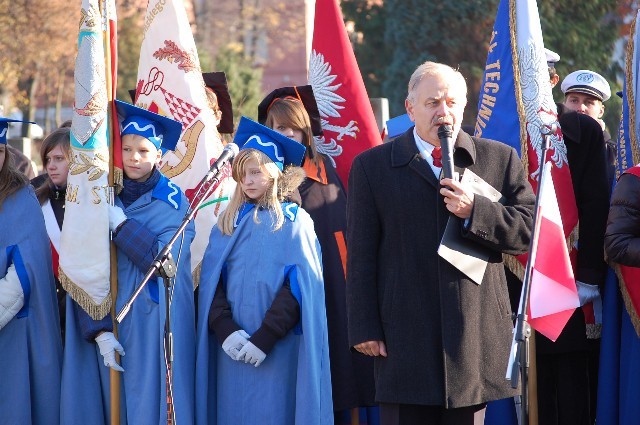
{"x":329,"y":101}
{"x":540,"y":110}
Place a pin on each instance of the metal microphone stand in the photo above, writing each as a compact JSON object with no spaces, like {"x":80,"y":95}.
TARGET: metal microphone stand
{"x":522,"y":331}
{"x":164,"y":265}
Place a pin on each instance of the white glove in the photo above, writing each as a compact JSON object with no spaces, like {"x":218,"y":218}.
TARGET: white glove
{"x":251,"y":354}
{"x":11,"y":296}
{"x":234,"y":343}
{"x":108,"y":346}
{"x":116,"y":217}
{"x":587,"y":292}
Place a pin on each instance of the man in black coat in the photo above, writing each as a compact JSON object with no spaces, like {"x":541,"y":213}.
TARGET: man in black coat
{"x":441,"y":342}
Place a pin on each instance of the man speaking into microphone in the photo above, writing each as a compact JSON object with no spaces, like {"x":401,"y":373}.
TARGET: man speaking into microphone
{"x":440,"y":340}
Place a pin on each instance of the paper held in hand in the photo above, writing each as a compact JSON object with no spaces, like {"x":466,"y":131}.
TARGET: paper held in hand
{"x":465,"y":255}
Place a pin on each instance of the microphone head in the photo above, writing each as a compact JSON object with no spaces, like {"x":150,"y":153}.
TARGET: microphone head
{"x":445,"y":131}
{"x":549,"y":129}
{"x":233,"y":148}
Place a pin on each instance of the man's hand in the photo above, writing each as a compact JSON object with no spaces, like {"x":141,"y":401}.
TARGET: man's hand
{"x":372,"y":348}
{"x":457,"y":197}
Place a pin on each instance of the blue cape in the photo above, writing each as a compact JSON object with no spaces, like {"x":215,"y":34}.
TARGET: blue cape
{"x":293,"y":384}
{"x":85,"y":383}
{"x":31,"y":349}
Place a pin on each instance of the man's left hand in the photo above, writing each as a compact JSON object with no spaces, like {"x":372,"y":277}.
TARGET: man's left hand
{"x":457,"y":197}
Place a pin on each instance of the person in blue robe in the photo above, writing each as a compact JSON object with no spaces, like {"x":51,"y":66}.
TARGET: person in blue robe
{"x":262,"y":348}
{"x":146,"y":215}
{"x":30,"y":343}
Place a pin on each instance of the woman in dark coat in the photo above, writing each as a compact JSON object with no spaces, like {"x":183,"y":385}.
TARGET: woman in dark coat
{"x":51,"y":189}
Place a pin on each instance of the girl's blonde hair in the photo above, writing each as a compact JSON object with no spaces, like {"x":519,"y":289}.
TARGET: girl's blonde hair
{"x":270,"y":200}
{"x":290,"y":112}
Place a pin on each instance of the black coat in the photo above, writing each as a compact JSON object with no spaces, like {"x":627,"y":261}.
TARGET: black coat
{"x":325,"y":199}
{"x":448,"y":339}
{"x":622,"y":240}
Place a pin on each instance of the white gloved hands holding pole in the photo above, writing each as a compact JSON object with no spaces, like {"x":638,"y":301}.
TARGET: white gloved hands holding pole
{"x":116,"y":217}
{"x":587,"y":292}
{"x":108,"y":346}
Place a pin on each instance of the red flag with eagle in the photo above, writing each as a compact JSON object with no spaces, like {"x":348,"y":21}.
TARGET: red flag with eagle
{"x":170,"y":83}
{"x":347,"y":117}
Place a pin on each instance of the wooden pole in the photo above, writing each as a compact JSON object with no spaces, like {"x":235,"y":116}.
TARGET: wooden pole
{"x":114,"y":376}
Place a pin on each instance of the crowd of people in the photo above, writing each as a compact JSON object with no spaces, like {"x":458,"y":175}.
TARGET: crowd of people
{"x":311,"y":303}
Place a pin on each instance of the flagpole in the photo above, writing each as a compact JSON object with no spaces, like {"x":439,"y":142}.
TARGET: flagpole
{"x":521,"y":340}
{"x":114,"y":376}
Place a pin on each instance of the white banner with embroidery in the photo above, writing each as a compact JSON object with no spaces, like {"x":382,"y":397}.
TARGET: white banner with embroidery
{"x":170,"y":83}
{"x":84,"y":244}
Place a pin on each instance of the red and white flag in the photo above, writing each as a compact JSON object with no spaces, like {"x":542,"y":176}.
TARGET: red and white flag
{"x":170,"y":83}
{"x":347,"y":117}
{"x":554,"y":295}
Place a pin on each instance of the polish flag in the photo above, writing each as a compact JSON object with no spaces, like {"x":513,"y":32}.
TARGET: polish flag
{"x":554,"y":295}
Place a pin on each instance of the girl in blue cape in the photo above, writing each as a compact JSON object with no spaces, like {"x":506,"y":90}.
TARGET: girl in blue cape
{"x":30,"y":344}
{"x":146,"y":215}
{"x":262,"y":351}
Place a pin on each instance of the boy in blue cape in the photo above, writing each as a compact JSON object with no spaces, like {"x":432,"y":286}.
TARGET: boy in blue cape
{"x":262,"y":350}
{"x":146,"y":214}
{"x":31,"y":354}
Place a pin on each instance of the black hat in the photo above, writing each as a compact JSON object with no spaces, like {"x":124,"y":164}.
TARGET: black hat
{"x":217,"y":82}
{"x":303,"y":94}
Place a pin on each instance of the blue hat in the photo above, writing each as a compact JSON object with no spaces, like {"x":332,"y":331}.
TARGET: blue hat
{"x":163,"y":132}
{"x":4,"y":128}
{"x":398,"y":125}
{"x":280,"y":149}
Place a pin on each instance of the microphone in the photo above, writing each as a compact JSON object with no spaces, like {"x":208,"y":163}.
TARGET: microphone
{"x":228,"y":153}
{"x":445,"y":133}
{"x":549,"y":129}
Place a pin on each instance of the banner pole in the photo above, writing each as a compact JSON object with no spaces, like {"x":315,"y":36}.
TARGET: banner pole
{"x":114,"y":376}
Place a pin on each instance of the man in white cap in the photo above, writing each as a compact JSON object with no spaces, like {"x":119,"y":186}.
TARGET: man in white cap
{"x":552,"y":58}
{"x":585,"y":92}
{"x":567,"y":368}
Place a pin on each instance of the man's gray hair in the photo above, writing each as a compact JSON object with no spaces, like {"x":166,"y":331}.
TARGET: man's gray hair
{"x":434,"y":68}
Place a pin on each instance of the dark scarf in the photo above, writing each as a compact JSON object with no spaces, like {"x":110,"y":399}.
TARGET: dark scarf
{"x":132,"y":189}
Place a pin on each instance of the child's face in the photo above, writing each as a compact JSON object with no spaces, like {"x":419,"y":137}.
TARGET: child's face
{"x":57,"y":166}
{"x":292,"y":133}
{"x":139,"y":156}
{"x":255,"y":181}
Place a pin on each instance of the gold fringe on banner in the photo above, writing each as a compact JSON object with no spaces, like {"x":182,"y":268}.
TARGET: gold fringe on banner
{"x":195,"y":274}
{"x":631,"y":95}
{"x":516,"y":80}
{"x":513,"y":265}
{"x":118,"y":180}
{"x":96,"y":311}
{"x":633,"y":314}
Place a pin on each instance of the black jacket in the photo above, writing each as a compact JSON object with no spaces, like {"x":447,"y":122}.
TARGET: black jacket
{"x":447,"y":338}
{"x":622,"y":239}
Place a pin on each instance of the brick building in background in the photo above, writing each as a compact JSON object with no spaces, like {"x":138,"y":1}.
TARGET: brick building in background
{"x":276,"y":34}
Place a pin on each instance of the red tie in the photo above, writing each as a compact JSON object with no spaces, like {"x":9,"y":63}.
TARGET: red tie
{"x":437,"y":157}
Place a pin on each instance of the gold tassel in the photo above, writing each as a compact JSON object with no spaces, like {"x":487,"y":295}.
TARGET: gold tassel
{"x":96,"y":311}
